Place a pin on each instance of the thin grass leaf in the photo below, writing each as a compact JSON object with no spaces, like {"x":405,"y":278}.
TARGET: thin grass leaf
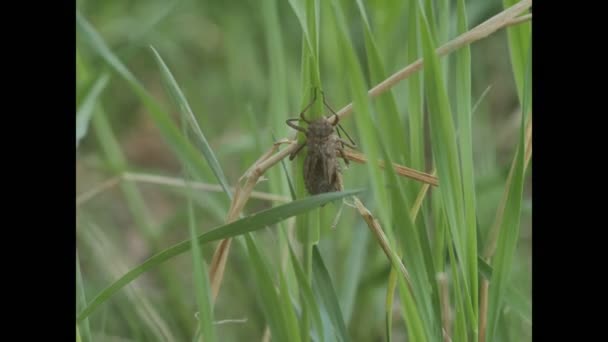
{"x":509,"y":227}
{"x":354,"y":266}
{"x":460,"y":322}
{"x":86,"y":110}
{"x":413,"y":322}
{"x":291,"y":321}
{"x":445,"y":153}
{"x":82,"y":301}
{"x":388,"y":305}
{"x":465,"y":135}
{"x":245,"y":225}
{"x":307,"y":295}
{"x":519,"y":37}
{"x":361,"y":105}
{"x":180,"y":101}
{"x":389,"y":121}
{"x":269,"y":299}
{"x":201,"y":282}
{"x":415,"y":90}
{"x":185,"y":151}
{"x":323,"y":286}
{"x":417,"y":255}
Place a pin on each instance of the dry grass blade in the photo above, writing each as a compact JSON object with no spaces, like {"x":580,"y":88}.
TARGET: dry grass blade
{"x":505,"y":18}
{"x":374,"y":226}
{"x":399,"y":169}
{"x":242,"y":193}
{"x":168,"y":181}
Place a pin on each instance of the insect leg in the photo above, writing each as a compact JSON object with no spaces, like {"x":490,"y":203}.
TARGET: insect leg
{"x":314,"y":98}
{"x":347,"y":144}
{"x":294,"y":126}
{"x":294,"y":153}
{"x":336,"y":122}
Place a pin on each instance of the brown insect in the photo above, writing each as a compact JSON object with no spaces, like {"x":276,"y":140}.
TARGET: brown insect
{"x":322,"y":172}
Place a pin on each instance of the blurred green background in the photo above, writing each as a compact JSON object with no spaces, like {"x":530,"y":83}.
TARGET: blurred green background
{"x":221,"y":54}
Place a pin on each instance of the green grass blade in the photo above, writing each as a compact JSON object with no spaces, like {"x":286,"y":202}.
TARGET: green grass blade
{"x":509,"y":227}
{"x":520,"y":37}
{"x":269,"y":299}
{"x":291,"y":320}
{"x":82,"y":301}
{"x":388,"y":305}
{"x":354,"y":269}
{"x":307,"y":295}
{"x":185,"y":110}
{"x":324,"y":287}
{"x":245,"y":225}
{"x":201,"y":282}
{"x":415,"y":91}
{"x":416,"y":255}
{"x":86,"y":110}
{"x":389,"y":121}
{"x":361,"y":105}
{"x":460,"y":328}
{"x":185,"y":151}
{"x":413,"y":321}
{"x":445,"y":153}
{"x":465,"y":135}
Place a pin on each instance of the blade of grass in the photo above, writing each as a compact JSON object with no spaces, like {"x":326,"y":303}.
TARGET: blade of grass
{"x":465,"y":136}
{"x":519,"y":39}
{"x":82,"y":301}
{"x":201,"y":281}
{"x":361,"y":107}
{"x":323,"y":286}
{"x":389,"y":122}
{"x":269,"y":299}
{"x":307,"y":295}
{"x":86,"y":110}
{"x":388,"y":306}
{"x":291,"y":321}
{"x":445,"y":153}
{"x":509,"y":228}
{"x":180,"y":100}
{"x":417,"y":255}
{"x":185,"y":151}
{"x":248,"y":224}
{"x":460,"y":328}
{"x":415,"y":91}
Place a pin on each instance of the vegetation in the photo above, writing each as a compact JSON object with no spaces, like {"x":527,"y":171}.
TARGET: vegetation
{"x":192,"y":224}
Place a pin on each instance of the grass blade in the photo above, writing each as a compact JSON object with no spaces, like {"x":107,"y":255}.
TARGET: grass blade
{"x":465,"y":136}
{"x":307,"y":295}
{"x":181,"y":102}
{"x":519,"y":39}
{"x":86,"y":110}
{"x":187,"y":153}
{"x":251,"y":223}
{"x":323,"y":286}
{"x":509,"y":227}
{"x":415,"y":91}
{"x":445,"y":153}
{"x":269,"y":299}
{"x":82,"y":301}
{"x":201,"y":282}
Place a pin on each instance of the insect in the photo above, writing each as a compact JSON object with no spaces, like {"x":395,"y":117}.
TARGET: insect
{"x":322,"y":172}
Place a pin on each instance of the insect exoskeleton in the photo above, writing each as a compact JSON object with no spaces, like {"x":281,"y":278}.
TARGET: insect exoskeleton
{"x":322,"y":172}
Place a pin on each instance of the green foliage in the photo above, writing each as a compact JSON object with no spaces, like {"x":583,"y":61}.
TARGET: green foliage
{"x":199,"y":90}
